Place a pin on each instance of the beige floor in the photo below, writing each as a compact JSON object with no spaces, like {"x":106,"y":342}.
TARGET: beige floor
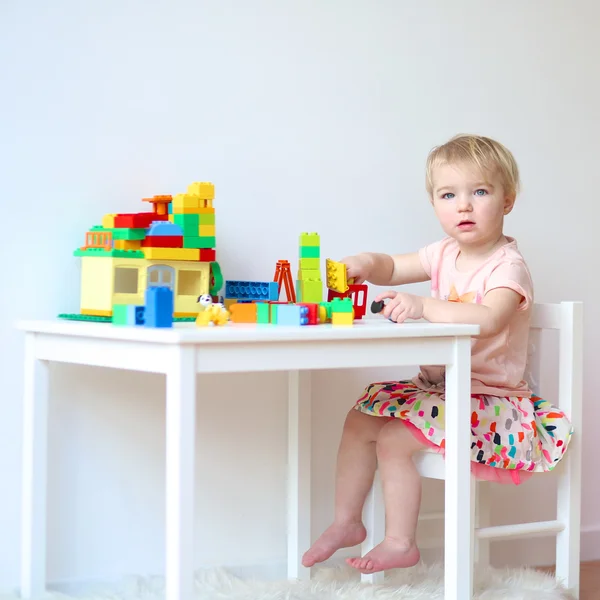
{"x":590,"y":580}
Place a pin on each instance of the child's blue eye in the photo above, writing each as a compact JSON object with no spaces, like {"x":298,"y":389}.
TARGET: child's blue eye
{"x":448,"y":196}
{"x":480,"y":192}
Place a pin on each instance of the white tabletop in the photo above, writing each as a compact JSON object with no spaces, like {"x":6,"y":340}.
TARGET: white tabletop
{"x":189,"y":333}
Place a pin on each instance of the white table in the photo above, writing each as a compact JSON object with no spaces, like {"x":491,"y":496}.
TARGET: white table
{"x":182,"y":352}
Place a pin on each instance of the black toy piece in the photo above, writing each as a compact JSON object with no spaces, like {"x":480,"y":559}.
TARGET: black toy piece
{"x":377,"y":307}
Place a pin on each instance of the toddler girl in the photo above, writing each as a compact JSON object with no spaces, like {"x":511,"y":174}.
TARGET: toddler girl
{"x":477,"y":276}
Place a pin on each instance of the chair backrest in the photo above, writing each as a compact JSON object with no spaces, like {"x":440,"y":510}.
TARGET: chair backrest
{"x":567,"y":318}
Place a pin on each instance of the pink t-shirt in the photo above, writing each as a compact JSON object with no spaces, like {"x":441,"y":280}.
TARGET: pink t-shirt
{"x":497,"y":363}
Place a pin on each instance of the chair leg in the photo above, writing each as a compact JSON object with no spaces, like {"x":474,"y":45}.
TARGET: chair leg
{"x":374,"y":520}
{"x":568,"y":512}
{"x":483,"y":519}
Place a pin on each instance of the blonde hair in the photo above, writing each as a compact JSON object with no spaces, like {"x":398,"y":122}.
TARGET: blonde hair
{"x":488,"y":155}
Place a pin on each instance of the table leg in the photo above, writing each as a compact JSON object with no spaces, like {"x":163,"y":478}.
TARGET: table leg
{"x":34,"y":477}
{"x":180,"y":448}
{"x":299,"y":478}
{"x":458,"y":562}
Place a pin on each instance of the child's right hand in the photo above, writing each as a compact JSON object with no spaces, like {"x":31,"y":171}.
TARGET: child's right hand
{"x":358,"y":267}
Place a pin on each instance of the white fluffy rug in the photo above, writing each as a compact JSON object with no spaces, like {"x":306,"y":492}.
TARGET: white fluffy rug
{"x":418,"y":583}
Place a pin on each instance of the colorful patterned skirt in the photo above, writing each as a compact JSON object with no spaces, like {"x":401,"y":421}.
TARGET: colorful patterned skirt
{"x":511,"y":437}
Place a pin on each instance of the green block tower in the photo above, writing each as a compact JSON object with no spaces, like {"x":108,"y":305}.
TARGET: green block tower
{"x":309,"y":285}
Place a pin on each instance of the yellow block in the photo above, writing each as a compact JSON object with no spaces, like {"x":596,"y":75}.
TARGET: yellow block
{"x":185,"y":201}
{"x":206,"y":230}
{"x":342,"y":318}
{"x":336,"y":276}
{"x":171,"y":253}
{"x":128,"y":244}
{"x":203,"y":189}
{"x":97,"y":285}
{"x":108,"y":221}
{"x":172,"y":218}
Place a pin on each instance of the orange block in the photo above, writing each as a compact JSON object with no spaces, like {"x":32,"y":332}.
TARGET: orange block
{"x":244,"y":312}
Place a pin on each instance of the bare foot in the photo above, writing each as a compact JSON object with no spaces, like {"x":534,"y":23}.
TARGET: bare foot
{"x":390,"y":554}
{"x":344,"y":535}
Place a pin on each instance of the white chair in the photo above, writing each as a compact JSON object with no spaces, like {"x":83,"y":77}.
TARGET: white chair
{"x":565,"y":317}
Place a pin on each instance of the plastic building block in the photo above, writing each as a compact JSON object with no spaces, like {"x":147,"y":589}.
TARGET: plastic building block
{"x":216,"y":277}
{"x":171,"y":253}
{"x":128,"y":314}
{"x":252,"y":290}
{"x":160,"y":204}
{"x":342,"y":318}
{"x":292,"y":314}
{"x":159,"y":307}
{"x":310,"y":239}
{"x":123,"y":233}
{"x":206,"y":230}
{"x":243,"y":312}
{"x":342,"y":305}
{"x":263,"y":312}
{"x":336,"y":276}
{"x":313,"y":313}
{"x":310,"y":252}
{"x":309,"y":291}
{"x":80,"y":317}
{"x":203,"y":189}
{"x":163,"y":241}
{"x":358,"y":294}
{"x":127,"y":244}
{"x":112,"y":253}
{"x":199,"y":242}
{"x":189,"y":223}
{"x":108,"y":221}
{"x":208,"y":255}
{"x":206,"y":218}
{"x":165,"y":228}
{"x":138,"y":220}
{"x":310,"y":263}
{"x":283,"y":276}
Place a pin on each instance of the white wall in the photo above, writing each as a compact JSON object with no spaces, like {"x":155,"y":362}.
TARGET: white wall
{"x":308,"y":116}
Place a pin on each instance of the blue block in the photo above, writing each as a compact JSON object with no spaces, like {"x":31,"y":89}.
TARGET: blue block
{"x":159,"y":307}
{"x":292,"y":314}
{"x":252,"y":290}
{"x":161,"y":228}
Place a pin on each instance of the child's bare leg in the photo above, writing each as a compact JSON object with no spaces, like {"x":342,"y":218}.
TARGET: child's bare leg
{"x":356,"y":464}
{"x":401,"y":484}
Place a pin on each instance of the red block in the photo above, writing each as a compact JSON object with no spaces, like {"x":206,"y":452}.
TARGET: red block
{"x":208,"y":255}
{"x":313,"y":312}
{"x":138,"y":220}
{"x":163,"y":241}
{"x":358,"y":294}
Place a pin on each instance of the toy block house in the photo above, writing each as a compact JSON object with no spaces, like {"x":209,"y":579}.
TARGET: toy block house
{"x":173,"y":246}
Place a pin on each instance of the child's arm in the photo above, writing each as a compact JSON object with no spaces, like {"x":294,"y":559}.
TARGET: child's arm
{"x":492,"y":315}
{"x":385,"y":269}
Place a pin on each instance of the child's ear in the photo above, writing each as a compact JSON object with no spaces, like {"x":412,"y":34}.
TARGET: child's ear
{"x":509,"y":202}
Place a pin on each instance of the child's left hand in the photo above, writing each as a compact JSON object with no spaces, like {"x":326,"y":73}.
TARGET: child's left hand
{"x":401,"y":306}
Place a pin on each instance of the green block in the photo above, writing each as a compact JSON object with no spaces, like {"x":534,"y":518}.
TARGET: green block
{"x":310,"y":252}
{"x":262,"y":312}
{"x":310,"y":263}
{"x":199,"y":241}
{"x":207,"y":218}
{"x":342,"y":305}
{"x":312,"y":291}
{"x":119,"y":316}
{"x":274,"y":313}
{"x":123,"y":233}
{"x":189,"y":223}
{"x":88,"y":318}
{"x":310,"y":239}
{"x":111,"y":253}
